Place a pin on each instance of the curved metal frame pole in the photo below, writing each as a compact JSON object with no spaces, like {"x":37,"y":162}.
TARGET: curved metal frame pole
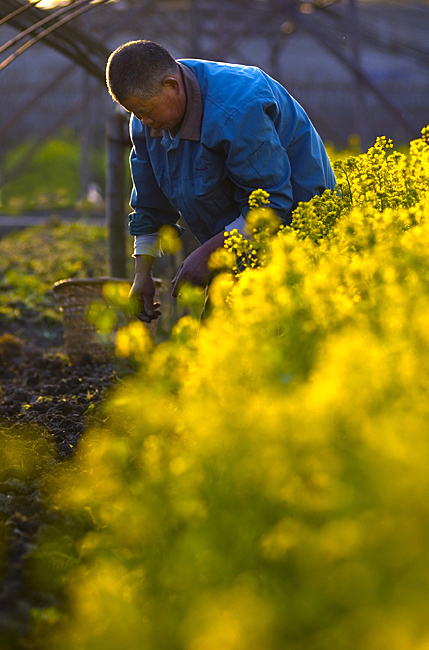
{"x":26,"y":32}
{"x":19,"y":11}
{"x":45,"y":32}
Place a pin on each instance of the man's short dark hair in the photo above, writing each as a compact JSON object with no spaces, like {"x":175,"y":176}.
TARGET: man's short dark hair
{"x":138,"y":68}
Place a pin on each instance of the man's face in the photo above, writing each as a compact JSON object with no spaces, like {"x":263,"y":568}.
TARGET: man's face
{"x":162,"y":112}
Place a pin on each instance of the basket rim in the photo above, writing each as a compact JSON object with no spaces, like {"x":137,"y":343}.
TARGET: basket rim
{"x":93,"y":281}
{"x":76,"y":281}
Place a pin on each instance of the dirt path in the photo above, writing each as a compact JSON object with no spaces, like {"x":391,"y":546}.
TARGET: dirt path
{"x":44,"y":408}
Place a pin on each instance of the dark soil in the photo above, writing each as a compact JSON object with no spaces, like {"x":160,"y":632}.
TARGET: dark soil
{"x":46,"y":403}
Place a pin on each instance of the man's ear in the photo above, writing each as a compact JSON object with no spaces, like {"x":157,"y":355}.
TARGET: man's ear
{"x":172,"y":83}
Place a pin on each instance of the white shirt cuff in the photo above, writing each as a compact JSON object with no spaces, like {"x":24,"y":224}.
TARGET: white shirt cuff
{"x":147,"y":245}
{"x":240,"y":225}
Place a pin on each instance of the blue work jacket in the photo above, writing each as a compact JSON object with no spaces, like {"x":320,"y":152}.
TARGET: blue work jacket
{"x":249,"y":133}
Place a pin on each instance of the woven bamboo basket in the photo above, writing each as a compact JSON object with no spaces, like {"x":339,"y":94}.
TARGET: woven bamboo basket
{"x":81,"y":337}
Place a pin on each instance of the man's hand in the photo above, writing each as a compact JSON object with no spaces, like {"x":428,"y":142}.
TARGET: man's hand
{"x":143,"y":291}
{"x":195,"y":268}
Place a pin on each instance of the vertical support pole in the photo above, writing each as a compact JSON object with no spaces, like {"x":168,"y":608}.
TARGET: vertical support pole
{"x":116,"y":142}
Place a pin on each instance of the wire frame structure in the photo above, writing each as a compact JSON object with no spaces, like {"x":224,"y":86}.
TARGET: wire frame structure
{"x":52,"y":26}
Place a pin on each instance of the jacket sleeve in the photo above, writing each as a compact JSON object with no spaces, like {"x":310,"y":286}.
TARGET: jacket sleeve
{"x":151,"y":208}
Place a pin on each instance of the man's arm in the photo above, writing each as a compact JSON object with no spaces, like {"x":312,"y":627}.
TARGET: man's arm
{"x":143,"y":290}
{"x":195,"y":267}
{"x":151,"y":210}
